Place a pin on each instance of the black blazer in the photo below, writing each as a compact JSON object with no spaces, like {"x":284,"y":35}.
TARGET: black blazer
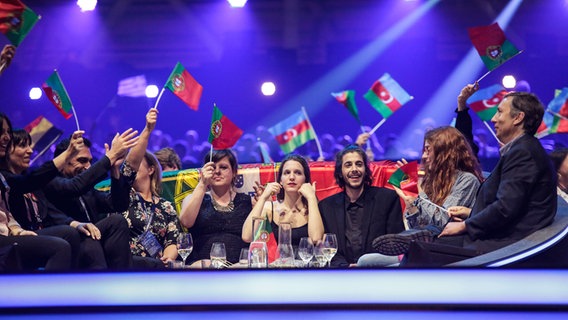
{"x":382,"y":215}
{"x":64,"y":193}
{"x":518,"y":198}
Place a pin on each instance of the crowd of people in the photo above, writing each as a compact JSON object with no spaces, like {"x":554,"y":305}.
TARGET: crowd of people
{"x":52,"y":217}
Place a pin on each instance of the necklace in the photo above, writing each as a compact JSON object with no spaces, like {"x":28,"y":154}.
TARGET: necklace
{"x":221,"y":208}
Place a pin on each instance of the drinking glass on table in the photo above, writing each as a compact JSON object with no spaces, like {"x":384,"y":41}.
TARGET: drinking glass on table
{"x":258,"y":255}
{"x":306,"y":250}
{"x":243,"y":257}
{"x":319,"y":255}
{"x":218,"y":255}
{"x":184,"y":245}
{"x":329,"y":242}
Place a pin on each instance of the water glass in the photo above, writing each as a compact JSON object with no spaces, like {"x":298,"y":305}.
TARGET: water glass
{"x":258,"y":255}
{"x":184,"y":245}
{"x":319,"y":254}
{"x":306,"y":250}
{"x":218,"y":255}
{"x":329,"y":246}
{"x":243,"y":257}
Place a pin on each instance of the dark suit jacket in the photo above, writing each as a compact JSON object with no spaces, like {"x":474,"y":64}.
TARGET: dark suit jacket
{"x":64,"y":193}
{"x":382,"y":215}
{"x":518,"y":198}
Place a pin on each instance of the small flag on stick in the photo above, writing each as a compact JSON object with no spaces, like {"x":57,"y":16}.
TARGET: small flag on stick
{"x":16,"y":20}
{"x":492,"y":45}
{"x":184,"y":86}
{"x":347,"y":99}
{"x":293,"y":132}
{"x":406,"y":177}
{"x":387,"y":96}
{"x":223,"y":133}
{"x":43,"y":134}
{"x":484,"y":102}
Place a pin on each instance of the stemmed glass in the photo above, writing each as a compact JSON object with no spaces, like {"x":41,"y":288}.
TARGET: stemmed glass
{"x":306,"y":250}
{"x":319,"y":255}
{"x":184,"y":245}
{"x":329,"y":246}
{"x":218,"y":255}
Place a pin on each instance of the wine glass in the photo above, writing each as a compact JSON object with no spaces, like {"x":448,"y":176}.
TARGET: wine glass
{"x":319,"y":255}
{"x":218,"y":255}
{"x":184,"y":245}
{"x":306,"y":250}
{"x":329,"y":246}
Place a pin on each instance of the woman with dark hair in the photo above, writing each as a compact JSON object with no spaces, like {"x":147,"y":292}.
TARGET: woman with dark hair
{"x":296,"y":203}
{"x":215,"y":212}
{"x":452,"y":176}
{"x":35,"y":251}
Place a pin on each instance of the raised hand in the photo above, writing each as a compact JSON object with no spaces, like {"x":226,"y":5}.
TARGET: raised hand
{"x":271,"y":189}
{"x":465,"y":93}
{"x":308,"y":191}
{"x":151,"y":119}
{"x":207,"y":173}
{"x":120,"y":145}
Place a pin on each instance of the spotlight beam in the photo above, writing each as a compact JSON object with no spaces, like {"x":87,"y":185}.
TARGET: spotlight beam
{"x":438,"y":107}
{"x":317,"y":96}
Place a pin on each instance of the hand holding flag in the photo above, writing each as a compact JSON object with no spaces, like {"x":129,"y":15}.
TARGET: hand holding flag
{"x":406,"y":177}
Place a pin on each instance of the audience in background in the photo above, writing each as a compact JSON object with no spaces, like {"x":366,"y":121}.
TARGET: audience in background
{"x":168,"y":159}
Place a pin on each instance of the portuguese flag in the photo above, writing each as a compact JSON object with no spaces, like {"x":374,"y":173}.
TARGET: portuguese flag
{"x":387,"y":96}
{"x":293,"y":132}
{"x":347,"y":98}
{"x":16,"y":20}
{"x":484,"y":102}
{"x":406,"y":177}
{"x":183,"y":85}
{"x":492,"y":45}
{"x":56,"y":93}
{"x":264,"y":233}
{"x":224,"y":133}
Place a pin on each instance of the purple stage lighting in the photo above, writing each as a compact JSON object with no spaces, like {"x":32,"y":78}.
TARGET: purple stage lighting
{"x":237,"y":3}
{"x":87,"y":5}
{"x":35,"y":93}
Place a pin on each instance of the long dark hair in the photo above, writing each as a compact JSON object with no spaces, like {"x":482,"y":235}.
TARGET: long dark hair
{"x":4,"y":160}
{"x":304,"y":163}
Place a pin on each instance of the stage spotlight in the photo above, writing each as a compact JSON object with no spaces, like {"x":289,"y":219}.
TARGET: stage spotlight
{"x":152,"y":91}
{"x":35,"y":93}
{"x":87,"y":5}
{"x":509,"y":82}
{"x":268,"y":88}
{"x":237,"y":3}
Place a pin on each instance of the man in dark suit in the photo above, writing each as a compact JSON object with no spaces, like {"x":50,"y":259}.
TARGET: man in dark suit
{"x":361,"y":212}
{"x":519,"y":196}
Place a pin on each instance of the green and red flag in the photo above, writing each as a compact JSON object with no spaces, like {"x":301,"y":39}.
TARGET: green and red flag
{"x":16,"y":20}
{"x":293,"y":132}
{"x":264,"y":233}
{"x":183,"y":85}
{"x":484,"y":102}
{"x":56,"y":93}
{"x":387,"y":96}
{"x":406,"y":177}
{"x":492,"y":45}
{"x":347,"y":99}
{"x":223,"y":133}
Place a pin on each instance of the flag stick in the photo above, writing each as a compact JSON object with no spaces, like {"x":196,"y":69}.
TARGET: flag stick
{"x":39,"y":154}
{"x":159,"y":97}
{"x":315,"y":134}
{"x":556,"y":114}
{"x":483,"y":76}
{"x":368,"y":140}
{"x":377,"y":126}
{"x":211,"y":154}
{"x":432,"y":203}
{"x":3,"y":66}
{"x":492,"y":132}
{"x":75,"y":114}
